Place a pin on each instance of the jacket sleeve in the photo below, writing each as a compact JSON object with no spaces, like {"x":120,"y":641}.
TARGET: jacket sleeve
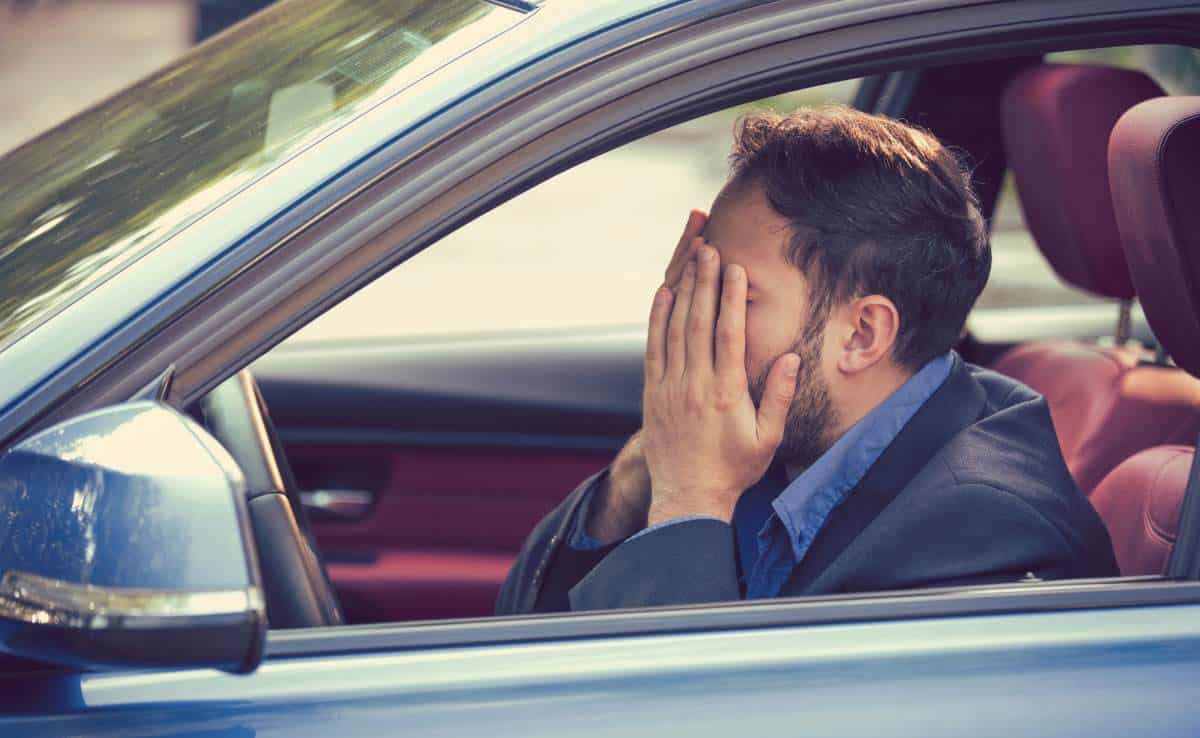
{"x":685,"y":563}
{"x":546,"y":567}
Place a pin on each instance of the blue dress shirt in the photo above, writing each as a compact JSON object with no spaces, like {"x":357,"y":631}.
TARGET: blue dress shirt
{"x":775,"y":522}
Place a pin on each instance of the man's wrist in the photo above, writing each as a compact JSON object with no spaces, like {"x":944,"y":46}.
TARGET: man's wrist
{"x":665,"y":508}
{"x":613,"y":516}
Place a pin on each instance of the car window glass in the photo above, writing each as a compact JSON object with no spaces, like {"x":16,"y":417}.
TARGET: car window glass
{"x":83,"y":199}
{"x":584,"y":249}
{"x":1021,"y":277}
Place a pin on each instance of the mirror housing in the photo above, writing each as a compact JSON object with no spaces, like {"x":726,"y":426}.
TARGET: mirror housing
{"x":125,"y":542}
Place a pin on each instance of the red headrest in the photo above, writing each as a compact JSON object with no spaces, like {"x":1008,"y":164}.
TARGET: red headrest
{"x":1154,"y":170}
{"x":1056,"y":119}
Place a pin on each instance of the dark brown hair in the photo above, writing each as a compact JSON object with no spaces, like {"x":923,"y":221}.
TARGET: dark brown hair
{"x":876,"y":207}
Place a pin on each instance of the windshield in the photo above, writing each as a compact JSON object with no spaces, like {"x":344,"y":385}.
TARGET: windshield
{"x":85,"y":198}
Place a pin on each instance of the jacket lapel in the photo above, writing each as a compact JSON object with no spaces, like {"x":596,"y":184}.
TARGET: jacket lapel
{"x":956,"y":405}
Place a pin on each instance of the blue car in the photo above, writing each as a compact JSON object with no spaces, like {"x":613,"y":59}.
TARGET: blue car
{"x":246,"y":489}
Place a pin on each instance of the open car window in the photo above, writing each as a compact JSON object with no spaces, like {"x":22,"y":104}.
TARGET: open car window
{"x":454,"y":425}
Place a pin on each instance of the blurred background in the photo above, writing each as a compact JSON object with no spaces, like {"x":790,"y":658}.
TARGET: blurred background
{"x":57,"y":57}
{"x":590,"y":242}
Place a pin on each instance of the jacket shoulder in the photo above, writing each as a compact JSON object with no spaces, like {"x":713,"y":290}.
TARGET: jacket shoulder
{"x":1008,"y":464}
{"x":994,"y":503}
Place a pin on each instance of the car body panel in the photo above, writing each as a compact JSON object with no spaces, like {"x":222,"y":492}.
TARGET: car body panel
{"x":1013,"y":676}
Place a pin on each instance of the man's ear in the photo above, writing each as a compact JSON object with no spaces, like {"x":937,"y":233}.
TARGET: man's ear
{"x":872,"y":324}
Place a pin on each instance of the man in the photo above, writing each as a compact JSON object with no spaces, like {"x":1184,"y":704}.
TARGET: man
{"x":807,"y":427}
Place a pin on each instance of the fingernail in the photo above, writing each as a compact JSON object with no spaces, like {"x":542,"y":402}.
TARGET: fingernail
{"x":707,"y":254}
{"x":733,"y":272}
{"x":663,"y":294}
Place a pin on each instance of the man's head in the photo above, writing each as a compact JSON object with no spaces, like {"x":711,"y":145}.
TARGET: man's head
{"x":865,"y":250}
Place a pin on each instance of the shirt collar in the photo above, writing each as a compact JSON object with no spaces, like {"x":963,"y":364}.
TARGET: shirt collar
{"x":806,"y":502}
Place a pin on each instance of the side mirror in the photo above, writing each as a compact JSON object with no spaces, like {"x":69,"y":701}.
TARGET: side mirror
{"x":125,"y":542}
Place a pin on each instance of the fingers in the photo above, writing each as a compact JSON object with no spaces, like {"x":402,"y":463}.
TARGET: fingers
{"x":656,"y":337}
{"x":777,"y":398}
{"x":703,"y":312}
{"x":677,"y":327}
{"x":685,"y":249}
{"x":731,"y":327}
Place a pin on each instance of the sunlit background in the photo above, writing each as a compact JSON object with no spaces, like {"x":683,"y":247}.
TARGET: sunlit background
{"x":585,"y":249}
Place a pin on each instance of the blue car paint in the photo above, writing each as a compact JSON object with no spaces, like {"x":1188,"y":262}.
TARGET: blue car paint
{"x":1119,"y":672}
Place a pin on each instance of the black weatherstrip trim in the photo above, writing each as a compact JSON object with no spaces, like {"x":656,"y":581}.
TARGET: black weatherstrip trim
{"x":449,"y":439}
{"x":1042,"y":597}
{"x":518,"y":5}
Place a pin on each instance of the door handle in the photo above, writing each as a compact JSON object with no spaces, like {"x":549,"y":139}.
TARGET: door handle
{"x":337,"y":505}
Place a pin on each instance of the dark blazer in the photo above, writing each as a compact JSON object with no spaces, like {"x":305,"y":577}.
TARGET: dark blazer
{"x":973,"y":490}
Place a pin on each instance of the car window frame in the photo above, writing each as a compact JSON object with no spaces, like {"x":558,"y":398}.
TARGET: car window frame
{"x":875,"y":607}
{"x":353,"y":248}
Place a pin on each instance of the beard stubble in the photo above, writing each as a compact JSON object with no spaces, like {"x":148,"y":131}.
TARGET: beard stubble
{"x":811,"y":416}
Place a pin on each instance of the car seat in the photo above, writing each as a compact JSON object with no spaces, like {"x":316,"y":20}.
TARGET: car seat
{"x":1107,"y":402}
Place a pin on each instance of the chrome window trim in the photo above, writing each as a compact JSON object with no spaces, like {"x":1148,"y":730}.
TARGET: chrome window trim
{"x":521,"y":6}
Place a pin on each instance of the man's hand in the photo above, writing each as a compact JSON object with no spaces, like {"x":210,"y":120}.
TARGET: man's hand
{"x":622,"y":500}
{"x":704,"y":440}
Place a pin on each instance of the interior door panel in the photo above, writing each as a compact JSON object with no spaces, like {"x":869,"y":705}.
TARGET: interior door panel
{"x":460,"y":446}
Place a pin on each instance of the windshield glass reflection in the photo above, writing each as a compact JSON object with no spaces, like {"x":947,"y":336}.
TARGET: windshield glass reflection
{"x":82,"y":200}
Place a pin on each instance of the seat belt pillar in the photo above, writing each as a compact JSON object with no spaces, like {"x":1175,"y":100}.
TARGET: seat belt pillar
{"x":1184,"y":562}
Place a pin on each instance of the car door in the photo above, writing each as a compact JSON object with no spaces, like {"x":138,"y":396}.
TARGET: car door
{"x":1043,"y":662}
{"x":1019,"y":660}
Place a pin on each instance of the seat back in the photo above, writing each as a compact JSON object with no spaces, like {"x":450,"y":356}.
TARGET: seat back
{"x":1140,"y":502}
{"x":1105,"y":402}
{"x":1153,"y":156}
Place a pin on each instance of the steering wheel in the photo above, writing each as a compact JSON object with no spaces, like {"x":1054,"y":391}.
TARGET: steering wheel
{"x":296,"y":587}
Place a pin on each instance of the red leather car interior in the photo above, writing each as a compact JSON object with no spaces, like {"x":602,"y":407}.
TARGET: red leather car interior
{"x":1056,"y":122}
{"x":1153,"y":158}
{"x":1140,"y":502}
{"x":1106,"y":402}
{"x":446,"y":524}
